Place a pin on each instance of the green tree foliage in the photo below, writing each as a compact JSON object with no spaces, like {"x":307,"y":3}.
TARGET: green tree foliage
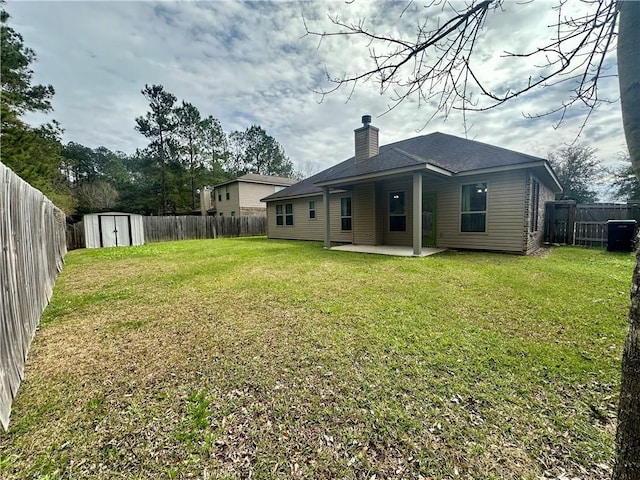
{"x":159,"y":126}
{"x":185,"y":153}
{"x":32,"y":152}
{"x":260,"y":153}
{"x":626,"y":185}
{"x":215,"y":149}
{"x":95,"y":176}
{"x":202,"y":146}
{"x":234,"y":164}
{"x":18,"y":95}
{"x":141,"y":193}
{"x":578,"y":170}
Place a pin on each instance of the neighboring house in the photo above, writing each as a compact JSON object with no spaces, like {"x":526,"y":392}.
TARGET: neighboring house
{"x":241,"y":197}
{"x":433,"y":190}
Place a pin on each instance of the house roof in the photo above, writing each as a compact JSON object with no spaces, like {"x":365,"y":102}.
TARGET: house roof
{"x":445,"y":154}
{"x":264,"y":179}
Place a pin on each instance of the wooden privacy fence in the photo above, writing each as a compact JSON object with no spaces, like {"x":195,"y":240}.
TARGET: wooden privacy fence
{"x":162,"y":229}
{"x":75,"y":236}
{"x":569,"y":223}
{"x":165,"y":229}
{"x":32,"y":231}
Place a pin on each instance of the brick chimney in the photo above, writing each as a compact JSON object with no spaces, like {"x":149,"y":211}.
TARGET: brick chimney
{"x":366,"y":140}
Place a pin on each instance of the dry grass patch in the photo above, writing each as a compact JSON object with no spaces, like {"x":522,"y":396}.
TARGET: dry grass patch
{"x":253,"y":358}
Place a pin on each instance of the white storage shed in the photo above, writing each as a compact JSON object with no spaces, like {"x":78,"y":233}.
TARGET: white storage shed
{"x":113,"y":229}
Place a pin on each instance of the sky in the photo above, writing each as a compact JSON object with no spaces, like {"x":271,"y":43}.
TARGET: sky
{"x":251,"y":63}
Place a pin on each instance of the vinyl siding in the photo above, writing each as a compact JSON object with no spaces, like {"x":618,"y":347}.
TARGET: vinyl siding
{"x":363,"y":209}
{"x":244,"y":198}
{"x":251,"y":193}
{"x":366,"y":143}
{"x":385,"y":188}
{"x":225,"y":206}
{"x":305,"y":228}
{"x":505,"y":212}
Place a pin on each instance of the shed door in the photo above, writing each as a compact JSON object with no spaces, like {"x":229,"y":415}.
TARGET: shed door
{"x":115,"y":230}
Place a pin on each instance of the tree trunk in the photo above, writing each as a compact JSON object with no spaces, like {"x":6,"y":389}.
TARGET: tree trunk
{"x":163,"y":180}
{"x":627,"y":465}
{"x":193,"y":176}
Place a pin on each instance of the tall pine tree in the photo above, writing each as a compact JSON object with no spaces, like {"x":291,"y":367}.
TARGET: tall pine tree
{"x":32,"y":152}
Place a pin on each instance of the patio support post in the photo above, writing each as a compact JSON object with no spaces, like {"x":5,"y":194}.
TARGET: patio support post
{"x":327,"y":217}
{"x":417,"y":213}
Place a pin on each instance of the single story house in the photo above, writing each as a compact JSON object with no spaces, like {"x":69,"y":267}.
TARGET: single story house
{"x":241,"y":197}
{"x":433,"y":190}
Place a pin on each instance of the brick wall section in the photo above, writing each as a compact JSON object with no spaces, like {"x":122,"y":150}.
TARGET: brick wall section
{"x":533,"y":240}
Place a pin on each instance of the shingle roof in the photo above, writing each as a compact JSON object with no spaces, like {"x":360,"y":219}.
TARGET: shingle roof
{"x":441,"y":150}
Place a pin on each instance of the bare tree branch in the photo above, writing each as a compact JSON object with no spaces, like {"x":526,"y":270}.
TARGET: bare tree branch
{"x":436,"y":66}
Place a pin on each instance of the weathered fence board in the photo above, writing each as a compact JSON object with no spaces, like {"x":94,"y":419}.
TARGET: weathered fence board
{"x":568,"y":223}
{"x":32,"y":231}
{"x":559,"y":222}
{"x":590,"y":234}
{"x":162,"y":229}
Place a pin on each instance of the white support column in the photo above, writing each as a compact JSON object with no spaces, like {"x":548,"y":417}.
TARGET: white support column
{"x":417,"y":213}
{"x":327,"y":217}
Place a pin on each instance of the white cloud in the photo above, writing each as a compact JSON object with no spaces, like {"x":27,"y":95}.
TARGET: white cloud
{"x":251,"y":63}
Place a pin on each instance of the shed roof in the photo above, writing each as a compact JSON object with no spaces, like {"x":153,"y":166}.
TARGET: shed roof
{"x":447,"y":154}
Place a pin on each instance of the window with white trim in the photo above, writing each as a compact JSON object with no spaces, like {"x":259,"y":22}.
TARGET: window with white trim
{"x":279,"y":215}
{"x":312,"y":209}
{"x":473,"y":208}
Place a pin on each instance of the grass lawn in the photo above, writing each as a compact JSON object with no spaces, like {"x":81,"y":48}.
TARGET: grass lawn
{"x":240,"y":358}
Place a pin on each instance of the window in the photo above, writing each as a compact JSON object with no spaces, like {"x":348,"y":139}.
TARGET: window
{"x":473,"y":208}
{"x":219,"y":197}
{"x":397,"y":212}
{"x":233,"y":213}
{"x":227,"y":193}
{"x":535,"y":206}
{"x":288,"y":210}
{"x":312,"y":209}
{"x":221,"y":214}
{"x":284,"y":216}
{"x":345,"y":213}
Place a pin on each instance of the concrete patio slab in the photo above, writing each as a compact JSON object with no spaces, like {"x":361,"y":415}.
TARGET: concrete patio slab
{"x":397,"y":251}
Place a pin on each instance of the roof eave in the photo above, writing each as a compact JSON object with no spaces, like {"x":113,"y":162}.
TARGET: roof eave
{"x":383,"y":173}
{"x":290,"y":197}
{"x":279,"y":184}
{"x":260,"y":182}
